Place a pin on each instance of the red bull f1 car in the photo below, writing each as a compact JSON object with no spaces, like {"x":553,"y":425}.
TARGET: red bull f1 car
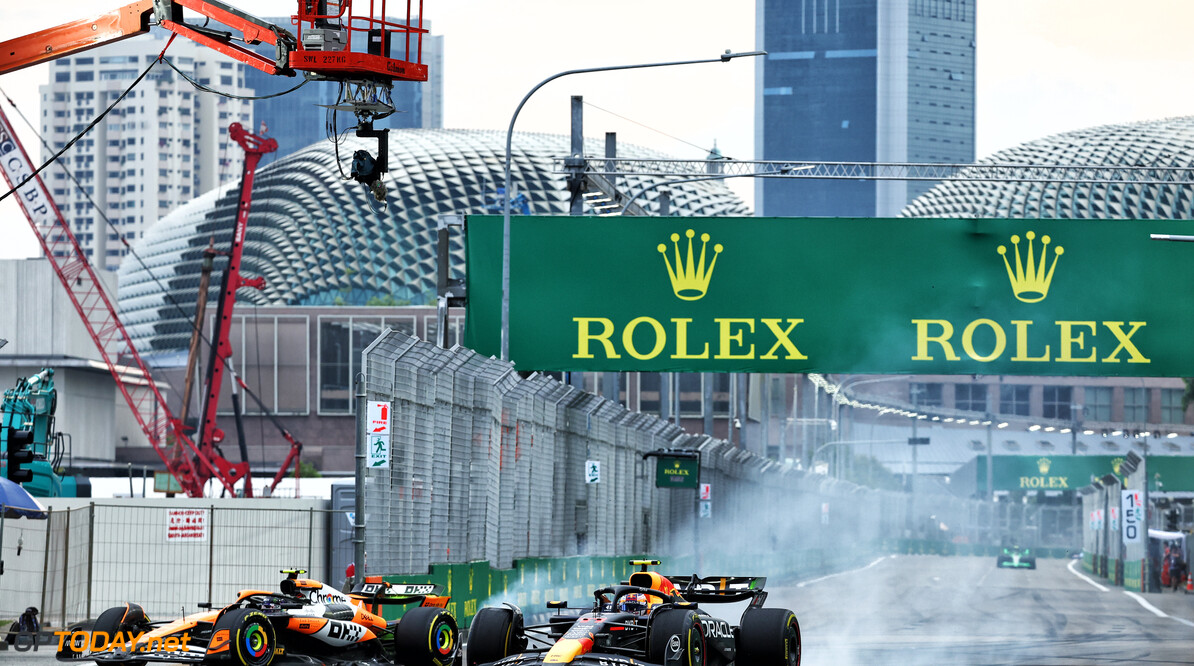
{"x":650,"y":620}
{"x":305,"y":622}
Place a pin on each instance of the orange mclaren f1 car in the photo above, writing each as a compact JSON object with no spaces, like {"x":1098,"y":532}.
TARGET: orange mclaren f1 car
{"x":306,"y":622}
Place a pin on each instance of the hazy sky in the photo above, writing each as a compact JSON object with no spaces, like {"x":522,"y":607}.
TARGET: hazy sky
{"x":1044,"y":66}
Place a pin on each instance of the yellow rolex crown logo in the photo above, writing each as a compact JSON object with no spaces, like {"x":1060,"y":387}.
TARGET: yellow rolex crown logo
{"x":1030,"y":281}
{"x":1115,"y":464}
{"x":690,"y":279}
{"x":1043,"y":465}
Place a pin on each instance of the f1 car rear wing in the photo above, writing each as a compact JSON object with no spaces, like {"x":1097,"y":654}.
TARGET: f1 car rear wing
{"x":397,"y":594}
{"x":721,"y":589}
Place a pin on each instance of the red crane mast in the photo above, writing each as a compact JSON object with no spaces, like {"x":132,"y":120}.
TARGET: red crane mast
{"x":322,"y":50}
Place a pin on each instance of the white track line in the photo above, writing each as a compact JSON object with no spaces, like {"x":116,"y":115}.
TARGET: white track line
{"x":841,"y":573}
{"x":1084,"y":576}
{"x":1147,"y":606}
{"x":1156,"y":611}
{"x":1139,"y":599}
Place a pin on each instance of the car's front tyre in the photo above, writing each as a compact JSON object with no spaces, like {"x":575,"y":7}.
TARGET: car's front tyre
{"x":676,"y":630}
{"x":495,"y":633}
{"x":251,"y":635}
{"x":426,"y":636}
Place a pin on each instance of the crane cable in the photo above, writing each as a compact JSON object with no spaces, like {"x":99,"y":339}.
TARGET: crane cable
{"x":56,"y":158}
{"x":75,"y":139}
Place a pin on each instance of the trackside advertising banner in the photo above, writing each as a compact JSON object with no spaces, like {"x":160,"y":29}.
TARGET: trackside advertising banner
{"x":790,"y":295}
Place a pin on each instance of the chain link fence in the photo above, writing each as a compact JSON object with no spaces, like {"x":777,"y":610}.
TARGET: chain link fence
{"x":166,"y":555}
{"x":488,"y":465}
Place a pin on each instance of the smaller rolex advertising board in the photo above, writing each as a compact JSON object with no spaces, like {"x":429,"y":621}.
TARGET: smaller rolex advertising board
{"x":674,"y":472}
{"x":794,"y":295}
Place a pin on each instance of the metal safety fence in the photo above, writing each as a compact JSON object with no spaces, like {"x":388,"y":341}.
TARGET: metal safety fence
{"x":166,"y":555}
{"x":487,"y":465}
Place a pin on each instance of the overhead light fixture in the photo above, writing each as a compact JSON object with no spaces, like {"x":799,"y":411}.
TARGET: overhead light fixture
{"x":1064,"y":431}
{"x":1049,"y":428}
{"x":1171,"y":435}
{"x":1034,"y":427}
{"x":1002,"y":425}
{"x":1088,"y":432}
{"x":1116,"y":433}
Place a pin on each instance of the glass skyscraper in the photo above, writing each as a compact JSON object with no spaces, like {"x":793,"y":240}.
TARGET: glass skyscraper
{"x":861,"y":81}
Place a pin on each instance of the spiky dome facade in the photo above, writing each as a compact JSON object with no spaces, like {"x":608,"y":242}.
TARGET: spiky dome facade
{"x":319,"y":238}
{"x":1158,"y":143}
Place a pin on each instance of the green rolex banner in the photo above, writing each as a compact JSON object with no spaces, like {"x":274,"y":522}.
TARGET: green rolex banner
{"x":786,"y":295}
{"x":1064,"y":472}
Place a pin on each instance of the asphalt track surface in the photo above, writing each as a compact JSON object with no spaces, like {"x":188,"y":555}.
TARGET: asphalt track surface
{"x":929,"y":610}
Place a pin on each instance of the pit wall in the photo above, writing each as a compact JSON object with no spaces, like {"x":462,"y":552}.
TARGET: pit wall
{"x":1106,"y":553}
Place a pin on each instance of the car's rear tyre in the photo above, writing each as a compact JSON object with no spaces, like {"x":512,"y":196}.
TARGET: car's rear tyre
{"x":251,"y":635}
{"x":684,"y":626}
{"x":426,"y":636}
{"x":68,"y":651}
{"x":121,"y":619}
{"x":495,"y":633}
{"x":769,"y":637}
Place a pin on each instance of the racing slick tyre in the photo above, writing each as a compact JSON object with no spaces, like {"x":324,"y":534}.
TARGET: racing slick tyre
{"x":69,"y":652}
{"x":769,"y":637}
{"x":251,"y":637}
{"x":676,"y":630}
{"x":426,"y":636}
{"x":495,"y":633}
{"x":126,"y":618}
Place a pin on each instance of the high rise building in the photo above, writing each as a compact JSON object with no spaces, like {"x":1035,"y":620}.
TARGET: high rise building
{"x":161,"y":146}
{"x":300,"y":118}
{"x":861,"y":81}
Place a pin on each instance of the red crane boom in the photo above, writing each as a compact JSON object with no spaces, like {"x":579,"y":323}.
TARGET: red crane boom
{"x":323,"y":50}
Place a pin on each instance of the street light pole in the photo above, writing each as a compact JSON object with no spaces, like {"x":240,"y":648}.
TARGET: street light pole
{"x":725,"y":57}
{"x":840,"y":397}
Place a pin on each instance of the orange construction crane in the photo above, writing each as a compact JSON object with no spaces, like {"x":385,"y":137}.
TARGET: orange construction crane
{"x":322,"y":49}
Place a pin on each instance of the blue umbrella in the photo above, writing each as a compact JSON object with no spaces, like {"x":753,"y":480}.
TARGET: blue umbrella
{"x":17,"y":502}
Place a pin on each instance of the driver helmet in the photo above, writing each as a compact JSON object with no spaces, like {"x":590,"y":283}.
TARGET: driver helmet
{"x":633,"y":603}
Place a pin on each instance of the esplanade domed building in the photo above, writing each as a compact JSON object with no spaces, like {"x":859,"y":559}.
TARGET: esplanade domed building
{"x":1152,"y":144}
{"x":320,"y":239}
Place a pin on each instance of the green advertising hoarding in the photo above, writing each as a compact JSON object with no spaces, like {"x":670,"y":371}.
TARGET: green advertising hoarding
{"x":1066,"y":472}
{"x":793,"y":295}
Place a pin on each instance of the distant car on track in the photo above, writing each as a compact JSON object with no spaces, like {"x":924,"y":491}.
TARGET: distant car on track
{"x":650,"y":620}
{"x":1015,"y":557}
{"x":306,"y":622}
